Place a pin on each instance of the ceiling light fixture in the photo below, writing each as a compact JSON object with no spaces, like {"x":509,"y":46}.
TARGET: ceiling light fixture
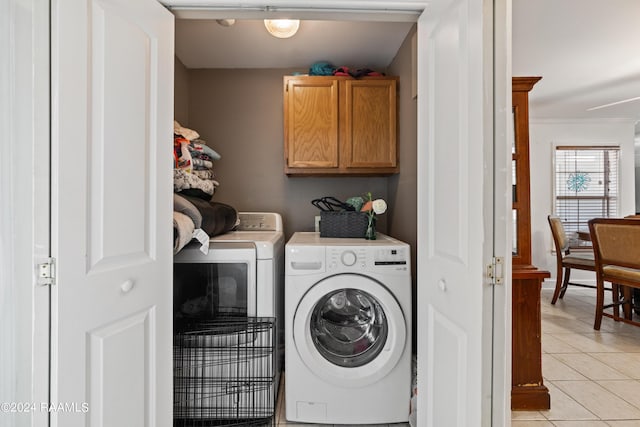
{"x":282,"y":28}
{"x":226,"y":22}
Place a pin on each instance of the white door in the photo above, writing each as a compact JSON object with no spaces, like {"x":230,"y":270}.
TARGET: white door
{"x":455,"y":212}
{"x":112,"y":98}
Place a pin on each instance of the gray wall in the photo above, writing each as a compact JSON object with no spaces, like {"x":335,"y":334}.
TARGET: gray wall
{"x":181,"y":93}
{"x":239,"y":113}
{"x":402,"y":188}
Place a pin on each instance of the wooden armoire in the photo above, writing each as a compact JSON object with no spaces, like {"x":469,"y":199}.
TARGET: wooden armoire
{"x":528,"y":391}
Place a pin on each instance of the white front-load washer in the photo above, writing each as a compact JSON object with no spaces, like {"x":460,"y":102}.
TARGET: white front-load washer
{"x":347,"y":330}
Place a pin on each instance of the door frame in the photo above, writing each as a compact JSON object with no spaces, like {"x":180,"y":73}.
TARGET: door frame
{"x":497,"y":386}
{"x":31,"y":216}
{"x":24,"y":219}
{"x":500,"y":363}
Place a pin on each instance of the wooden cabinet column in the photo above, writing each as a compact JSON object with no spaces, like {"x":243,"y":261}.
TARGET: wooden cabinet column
{"x":528,"y":391}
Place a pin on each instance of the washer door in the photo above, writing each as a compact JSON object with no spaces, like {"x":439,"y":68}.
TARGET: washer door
{"x":349,"y":330}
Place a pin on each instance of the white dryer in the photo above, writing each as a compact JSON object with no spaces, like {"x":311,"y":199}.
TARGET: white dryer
{"x":347,"y":329}
{"x":241,"y":276}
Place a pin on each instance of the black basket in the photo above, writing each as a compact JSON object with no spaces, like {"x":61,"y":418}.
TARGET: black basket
{"x":224,"y":372}
{"x":343,"y":224}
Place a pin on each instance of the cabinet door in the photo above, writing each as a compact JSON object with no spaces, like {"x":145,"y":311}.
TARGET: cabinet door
{"x":311,"y":123}
{"x":368,"y":109}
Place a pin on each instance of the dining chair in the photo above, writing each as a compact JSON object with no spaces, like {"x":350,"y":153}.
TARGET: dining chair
{"x":636,"y":291}
{"x":616,"y":245}
{"x":566,"y":260}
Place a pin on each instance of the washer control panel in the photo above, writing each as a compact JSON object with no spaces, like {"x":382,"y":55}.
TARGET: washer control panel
{"x":348,"y":258}
{"x":391,"y":256}
{"x":354,"y":258}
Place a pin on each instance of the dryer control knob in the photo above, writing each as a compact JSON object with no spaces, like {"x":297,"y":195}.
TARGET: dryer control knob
{"x":348,"y":258}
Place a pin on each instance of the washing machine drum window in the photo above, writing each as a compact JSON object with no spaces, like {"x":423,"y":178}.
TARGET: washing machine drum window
{"x":349,"y":327}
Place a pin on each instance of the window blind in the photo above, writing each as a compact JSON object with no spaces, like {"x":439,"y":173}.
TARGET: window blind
{"x":585,"y":185}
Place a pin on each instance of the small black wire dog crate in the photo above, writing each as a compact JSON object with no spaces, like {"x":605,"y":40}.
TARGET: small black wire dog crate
{"x":224,"y":372}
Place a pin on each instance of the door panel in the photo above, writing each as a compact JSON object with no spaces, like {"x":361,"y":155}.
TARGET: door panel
{"x":109,"y":402}
{"x":112,"y":97}
{"x":452,"y":346}
{"x":120,"y":161}
{"x":451,"y":236}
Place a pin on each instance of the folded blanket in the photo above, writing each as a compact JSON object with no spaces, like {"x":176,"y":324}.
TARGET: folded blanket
{"x":217,"y":218}
{"x":205,"y":174}
{"x":182,"y":231}
{"x":184,"y":181}
{"x":194,"y":192}
{"x":199,"y":146}
{"x":205,"y":164}
{"x":182,"y":205}
{"x":190,"y":134}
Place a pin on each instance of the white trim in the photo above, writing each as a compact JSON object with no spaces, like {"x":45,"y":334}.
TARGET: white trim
{"x":386,"y":5}
{"x":343,"y":10}
{"x":502,"y":233}
{"x":203,"y":12}
{"x":579,"y":121}
{"x":382,"y":11}
{"x":24,"y":223}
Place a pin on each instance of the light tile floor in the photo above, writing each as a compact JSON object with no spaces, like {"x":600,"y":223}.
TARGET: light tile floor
{"x":593,"y":376}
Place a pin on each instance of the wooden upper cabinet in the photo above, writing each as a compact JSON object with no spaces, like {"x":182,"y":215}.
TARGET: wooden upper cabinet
{"x":339,"y":125}
{"x":369,"y":123}
{"x":311,"y":121}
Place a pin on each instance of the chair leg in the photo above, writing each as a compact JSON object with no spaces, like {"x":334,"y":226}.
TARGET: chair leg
{"x":615,"y":296}
{"x":626,"y":302}
{"x":565,"y":283}
{"x":599,"y":304}
{"x":556,"y":292}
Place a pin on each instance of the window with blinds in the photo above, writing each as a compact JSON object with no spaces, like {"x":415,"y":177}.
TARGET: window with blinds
{"x":586,"y":184}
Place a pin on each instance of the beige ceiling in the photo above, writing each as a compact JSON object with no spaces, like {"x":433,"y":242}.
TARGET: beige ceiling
{"x":247,"y":44}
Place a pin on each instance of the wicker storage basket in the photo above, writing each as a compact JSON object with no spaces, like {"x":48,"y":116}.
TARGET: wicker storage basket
{"x":343,"y":224}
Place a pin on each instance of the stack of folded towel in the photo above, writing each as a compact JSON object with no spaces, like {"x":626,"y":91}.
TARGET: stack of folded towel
{"x":194,"y":214}
{"x":193,"y":164}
